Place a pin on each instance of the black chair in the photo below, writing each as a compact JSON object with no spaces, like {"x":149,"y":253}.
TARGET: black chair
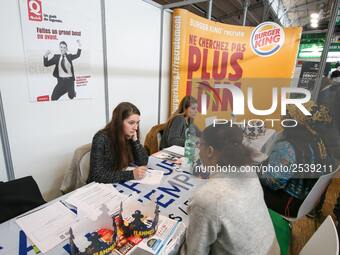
{"x":19,"y":196}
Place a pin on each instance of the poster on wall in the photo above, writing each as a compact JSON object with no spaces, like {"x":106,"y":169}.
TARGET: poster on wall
{"x":309,"y":72}
{"x":57,"y":45}
{"x":208,"y":56}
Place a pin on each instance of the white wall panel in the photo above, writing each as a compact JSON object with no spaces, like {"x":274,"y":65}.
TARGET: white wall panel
{"x":133,"y":42}
{"x":43,"y":136}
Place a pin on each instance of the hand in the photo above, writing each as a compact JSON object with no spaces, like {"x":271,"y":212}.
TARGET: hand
{"x":79,"y":44}
{"x":134,"y":136}
{"x":48,"y":52}
{"x":139,"y":172}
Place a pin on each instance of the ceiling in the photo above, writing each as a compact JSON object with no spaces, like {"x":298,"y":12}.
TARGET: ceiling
{"x":294,"y":12}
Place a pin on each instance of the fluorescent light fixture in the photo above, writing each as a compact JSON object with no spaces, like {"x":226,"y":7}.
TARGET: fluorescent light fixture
{"x":314,"y":16}
{"x":314,"y":21}
{"x":314,"y":25}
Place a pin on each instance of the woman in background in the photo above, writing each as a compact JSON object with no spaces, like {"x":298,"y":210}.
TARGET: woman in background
{"x":116,"y":146}
{"x":227,"y":215}
{"x":284,"y":191}
{"x":183,"y":118}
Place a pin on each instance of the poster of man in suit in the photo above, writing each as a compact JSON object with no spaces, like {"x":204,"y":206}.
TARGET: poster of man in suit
{"x":57,"y":47}
{"x":63,"y":70}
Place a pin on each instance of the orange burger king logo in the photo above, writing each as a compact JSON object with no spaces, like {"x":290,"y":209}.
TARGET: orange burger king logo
{"x":267,"y":39}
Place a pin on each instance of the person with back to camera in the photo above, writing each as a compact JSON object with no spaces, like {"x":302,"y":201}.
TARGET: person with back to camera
{"x":285,"y":190}
{"x":228,"y":215}
{"x":329,"y":96}
{"x":116,"y":146}
{"x":174,"y":132}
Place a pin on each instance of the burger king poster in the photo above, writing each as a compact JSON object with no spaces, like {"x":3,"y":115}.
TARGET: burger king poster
{"x":207,"y":55}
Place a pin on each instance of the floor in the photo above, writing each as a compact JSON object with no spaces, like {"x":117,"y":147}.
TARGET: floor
{"x":304,"y":228}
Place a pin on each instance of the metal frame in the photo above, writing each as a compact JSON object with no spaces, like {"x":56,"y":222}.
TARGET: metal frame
{"x":183,"y":3}
{"x":106,"y":80}
{"x":5,"y":143}
{"x":325,"y":50}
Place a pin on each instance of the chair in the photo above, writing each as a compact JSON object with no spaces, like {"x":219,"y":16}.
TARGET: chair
{"x":19,"y":196}
{"x":84,"y":166}
{"x":153,"y":138}
{"x":324,"y":240}
{"x":76,"y":175}
{"x":314,"y":195}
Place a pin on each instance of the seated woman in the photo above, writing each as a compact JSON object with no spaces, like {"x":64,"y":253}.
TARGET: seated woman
{"x":227,"y":215}
{"x":284,"y":191}
{"x":116,"y":146}
{"x":174,"y":132}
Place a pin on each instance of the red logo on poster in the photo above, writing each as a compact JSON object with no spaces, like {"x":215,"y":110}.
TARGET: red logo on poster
{"x":34,"y":10}
{"x":43,"y":98}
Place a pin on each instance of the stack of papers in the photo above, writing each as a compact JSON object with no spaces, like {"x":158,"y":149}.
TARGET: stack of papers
{"x":152,"y":177}
{"x":90,"y":198}
{"x":47,"y":227}
{"x":175,"y":150}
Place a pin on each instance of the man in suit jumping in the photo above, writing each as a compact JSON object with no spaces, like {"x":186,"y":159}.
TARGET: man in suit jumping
{"x":63,"y":70}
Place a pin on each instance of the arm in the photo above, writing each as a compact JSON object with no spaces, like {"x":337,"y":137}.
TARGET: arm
{"x":50,"y":62}
{"x":140,"y":155}
{"x":202,"y":231}
{"x":99,"y":171}
{"x":175,"y":136}
{"x":74,"y":56}
{"x":77,"y":55}
{"x":283,"y":154}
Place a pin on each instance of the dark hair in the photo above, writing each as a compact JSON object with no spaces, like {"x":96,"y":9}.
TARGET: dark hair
{"x":63,"y":42}
{"x":120,"y":148}
{"x":227,"y":140}
{"x":335,"y":74}
{"x":186,"y":102}
{"x":302,"y":140}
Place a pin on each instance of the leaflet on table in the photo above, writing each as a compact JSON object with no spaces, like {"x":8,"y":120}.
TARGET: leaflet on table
{"x":167,"y":156}
{"x":175,"y":150}
{"x":90,"y":198}
{"x":155,"y":244}
{"x":174,"y":244}
{"x":47,"y":227}
{"x":152,"y":176}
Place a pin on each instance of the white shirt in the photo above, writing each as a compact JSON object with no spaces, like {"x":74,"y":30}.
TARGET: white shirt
{"x":62,"y":73}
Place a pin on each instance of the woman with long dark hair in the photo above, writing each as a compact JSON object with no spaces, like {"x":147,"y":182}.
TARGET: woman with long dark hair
{"x":116,"y":146}
{"x":300,"y":148}
{"x":174,"y":132}
{"x":227,"y":215}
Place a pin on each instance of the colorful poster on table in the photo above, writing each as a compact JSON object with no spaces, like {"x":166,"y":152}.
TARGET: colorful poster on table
{"x":208,"y":55}
{"x":57,"y":45}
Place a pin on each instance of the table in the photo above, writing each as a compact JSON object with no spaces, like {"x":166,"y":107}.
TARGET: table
{"x":172,"y":194}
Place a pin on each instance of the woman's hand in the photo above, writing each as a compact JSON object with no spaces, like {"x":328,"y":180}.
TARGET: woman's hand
{"x":134,"y":136}
{"x":139,"y":172}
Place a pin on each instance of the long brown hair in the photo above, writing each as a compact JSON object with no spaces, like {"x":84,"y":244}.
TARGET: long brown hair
{"x":120,"y":149}
{"x":186,"y":102}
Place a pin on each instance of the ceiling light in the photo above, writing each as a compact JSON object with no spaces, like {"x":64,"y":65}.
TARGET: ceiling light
{"x":314,"y":20}
{"x":314,"y":25}
{"x":314,"y":16}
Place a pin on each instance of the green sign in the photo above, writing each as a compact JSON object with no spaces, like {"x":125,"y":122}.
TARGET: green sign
{"x":311,"y":45}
